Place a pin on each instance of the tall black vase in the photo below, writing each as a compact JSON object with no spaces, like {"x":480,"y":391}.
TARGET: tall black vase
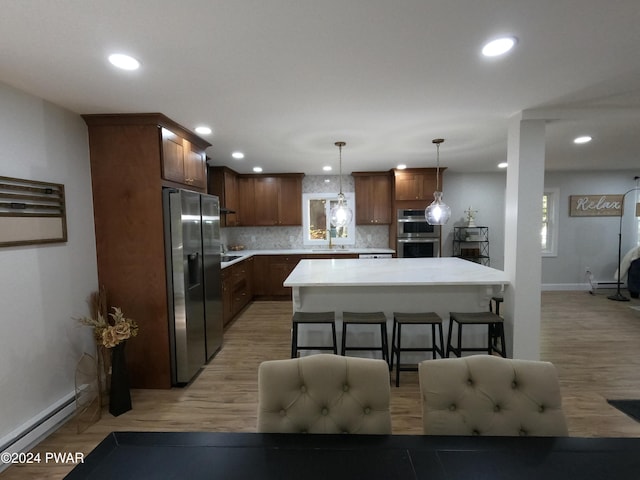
{"x":119,"y":395}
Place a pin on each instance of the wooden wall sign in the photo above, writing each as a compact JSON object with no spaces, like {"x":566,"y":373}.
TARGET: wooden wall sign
{"x":31,"y":212}
{"x":595,"y":205}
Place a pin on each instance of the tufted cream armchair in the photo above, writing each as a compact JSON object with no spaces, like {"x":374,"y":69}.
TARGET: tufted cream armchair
{"x":324,"y":394}
{"x":488,"y":395}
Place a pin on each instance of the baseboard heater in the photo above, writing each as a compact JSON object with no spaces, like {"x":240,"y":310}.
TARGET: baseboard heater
{"x":31,"y":433}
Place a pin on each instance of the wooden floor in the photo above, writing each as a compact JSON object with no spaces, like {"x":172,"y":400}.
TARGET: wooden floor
{"x":594,"y":343}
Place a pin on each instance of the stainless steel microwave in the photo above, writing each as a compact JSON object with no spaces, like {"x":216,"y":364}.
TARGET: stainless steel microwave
{"x":413,"y":224}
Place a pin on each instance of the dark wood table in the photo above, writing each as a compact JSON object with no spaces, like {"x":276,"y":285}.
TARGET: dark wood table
{"x":242,"y":456}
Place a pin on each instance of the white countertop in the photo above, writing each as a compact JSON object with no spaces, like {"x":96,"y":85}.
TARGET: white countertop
{"x":393,"y":271}
{"x":244,"y":254}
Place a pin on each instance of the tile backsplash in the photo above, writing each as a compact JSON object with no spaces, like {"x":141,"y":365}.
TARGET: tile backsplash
{"x":261,"y":238}
{"x":267,"y":238}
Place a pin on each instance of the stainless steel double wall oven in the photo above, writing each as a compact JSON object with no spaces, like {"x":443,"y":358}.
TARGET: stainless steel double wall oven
{"x":416,"y":237}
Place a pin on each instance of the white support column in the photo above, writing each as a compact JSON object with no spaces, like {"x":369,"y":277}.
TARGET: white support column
{"x":523,"y":221}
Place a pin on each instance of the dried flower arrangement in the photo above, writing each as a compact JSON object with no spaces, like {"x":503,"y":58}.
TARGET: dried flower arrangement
{"x":110,"y":332}
{"x":112,"y":329}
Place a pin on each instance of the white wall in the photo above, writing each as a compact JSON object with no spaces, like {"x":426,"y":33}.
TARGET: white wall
{"x":43,"y":287}
{"x":484,"y":192}
{"x":589,"y":241}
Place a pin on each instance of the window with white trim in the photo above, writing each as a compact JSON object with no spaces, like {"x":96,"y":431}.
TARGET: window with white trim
{"x":549,"y":230}
{"x":316,"y":208}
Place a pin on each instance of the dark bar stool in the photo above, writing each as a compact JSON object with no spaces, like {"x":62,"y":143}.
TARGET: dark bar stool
{"x":313,"y":318}
{"x":497,"y":301}
{"x":495,"y":327}
{"x":400,"y":319}
{"x":366,"y":318}
{"x":494,"y":334}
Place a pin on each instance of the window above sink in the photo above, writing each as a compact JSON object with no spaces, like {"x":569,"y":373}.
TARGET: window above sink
{"x":316,"y":208}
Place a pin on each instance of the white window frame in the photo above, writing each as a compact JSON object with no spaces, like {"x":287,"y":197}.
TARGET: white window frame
{"x":351,"y":228}
{"x":553,"y":207}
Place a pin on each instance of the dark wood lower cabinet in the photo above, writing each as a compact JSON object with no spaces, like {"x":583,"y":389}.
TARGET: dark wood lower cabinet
{"x":280,"y":266}
{"x":237,"y":288}
{"x":261,"y":279}
{"x":270,"y":271}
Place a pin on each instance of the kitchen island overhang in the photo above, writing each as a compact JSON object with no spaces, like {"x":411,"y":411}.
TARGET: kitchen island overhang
{"x":440,"y":285}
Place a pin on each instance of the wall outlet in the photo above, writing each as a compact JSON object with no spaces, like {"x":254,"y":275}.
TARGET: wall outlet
{"x":253,"y":239}
{"x":291,"y":239}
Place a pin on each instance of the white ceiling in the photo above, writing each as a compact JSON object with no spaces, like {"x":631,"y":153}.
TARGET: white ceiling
{"x":282,"y":80}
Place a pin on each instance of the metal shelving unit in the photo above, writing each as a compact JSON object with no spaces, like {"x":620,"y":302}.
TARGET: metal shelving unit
{"x":472,"y":243}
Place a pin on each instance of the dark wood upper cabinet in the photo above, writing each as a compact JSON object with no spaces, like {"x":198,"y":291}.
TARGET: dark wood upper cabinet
{"x":290,"y":200}
{"x":373,"y":197}
{"x":266,"y":200}
{"x":172,"y":156}
{"x":415,"y":184}
{"x":223,"y":182}
{"x":246,"y":213}
{"x":195,"y":166}
{"x":183,"y":161}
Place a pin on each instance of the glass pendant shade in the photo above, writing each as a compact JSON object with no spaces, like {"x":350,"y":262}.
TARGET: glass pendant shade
{"x":438,"y":213}
{"x":341,"y":215}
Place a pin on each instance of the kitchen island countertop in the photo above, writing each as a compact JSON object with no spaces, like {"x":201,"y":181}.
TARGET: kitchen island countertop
{"x":393,"y":271}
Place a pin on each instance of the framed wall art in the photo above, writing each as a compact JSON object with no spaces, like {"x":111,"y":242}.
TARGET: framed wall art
{"x":31,"y":212}
{"x":595,"y":205}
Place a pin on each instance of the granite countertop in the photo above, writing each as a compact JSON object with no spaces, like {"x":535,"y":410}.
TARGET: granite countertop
{"x":393,"y":271}
{"x":244,"y":254}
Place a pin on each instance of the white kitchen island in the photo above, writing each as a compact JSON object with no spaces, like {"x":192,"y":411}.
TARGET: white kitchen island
{"x":441,"y":285}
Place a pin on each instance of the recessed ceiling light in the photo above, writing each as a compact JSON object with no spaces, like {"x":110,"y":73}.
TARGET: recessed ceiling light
{"x":257,"y":169}
{"x":582,"y":139}
{"x":402,"y":166}
{"x":237,"y":155}
{"x":203,"y":130}
{"x":125,"y":62}
{"x":503,"y":165}
{"x":499,"y":46}
{"x":327,"y":168}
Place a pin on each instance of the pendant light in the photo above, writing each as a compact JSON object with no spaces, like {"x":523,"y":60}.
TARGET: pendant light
{"x":341,"y":214}
{"x":438,"y":213}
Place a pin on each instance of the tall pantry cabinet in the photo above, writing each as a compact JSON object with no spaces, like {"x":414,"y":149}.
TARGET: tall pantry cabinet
{"x":132,"y":157}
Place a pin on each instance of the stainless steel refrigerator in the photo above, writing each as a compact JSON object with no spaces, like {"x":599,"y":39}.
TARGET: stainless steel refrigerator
{"x":192,"y":244}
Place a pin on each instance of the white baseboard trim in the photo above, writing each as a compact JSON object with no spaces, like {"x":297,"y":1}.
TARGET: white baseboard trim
{"x":613,"y":284}
{"x":550,"y":287}
{"x":29,"y":434}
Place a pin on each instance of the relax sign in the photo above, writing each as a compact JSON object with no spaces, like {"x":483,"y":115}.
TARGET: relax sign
{"x":595,"y":205}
